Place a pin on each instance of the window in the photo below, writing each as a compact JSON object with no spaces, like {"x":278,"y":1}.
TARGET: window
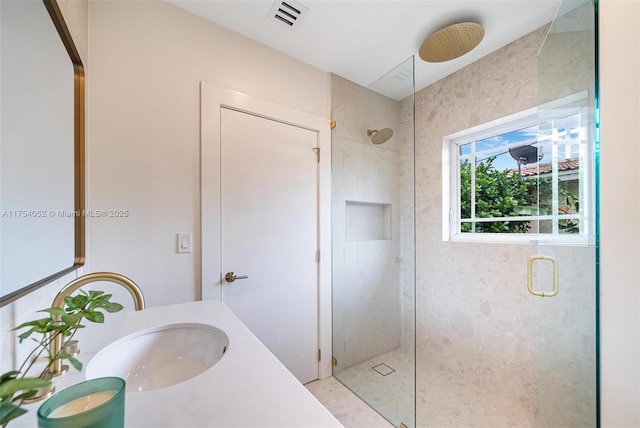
{"x":521,"y":178}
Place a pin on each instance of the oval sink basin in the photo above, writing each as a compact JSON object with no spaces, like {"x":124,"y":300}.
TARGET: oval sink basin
{"x":161,"y":356}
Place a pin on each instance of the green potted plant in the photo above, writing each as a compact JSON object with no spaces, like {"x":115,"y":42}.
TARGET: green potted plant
{"x":16,"y":386}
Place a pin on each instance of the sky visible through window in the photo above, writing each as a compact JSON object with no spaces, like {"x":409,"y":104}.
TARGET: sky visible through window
{"x":567,"y":134}
{"x":498,"y":146}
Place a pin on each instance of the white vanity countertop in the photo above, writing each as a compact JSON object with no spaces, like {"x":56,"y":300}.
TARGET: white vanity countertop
{"x":248,"y":387}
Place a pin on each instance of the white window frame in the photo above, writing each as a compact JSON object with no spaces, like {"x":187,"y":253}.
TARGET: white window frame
{"x":451,"y":221}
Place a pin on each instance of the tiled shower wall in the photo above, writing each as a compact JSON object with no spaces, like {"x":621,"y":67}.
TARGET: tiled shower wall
{"x":367,"y":294}
{"x":475,"y":318}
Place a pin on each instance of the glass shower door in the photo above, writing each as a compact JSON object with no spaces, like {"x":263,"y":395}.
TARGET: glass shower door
{"x":562,"y":277}
{"x":373,"y":242}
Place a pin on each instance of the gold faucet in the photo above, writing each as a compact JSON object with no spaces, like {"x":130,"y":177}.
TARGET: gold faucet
{"x":56,"y":368}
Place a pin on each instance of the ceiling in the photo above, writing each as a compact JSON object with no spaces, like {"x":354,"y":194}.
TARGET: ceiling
{"x":364,"y":39}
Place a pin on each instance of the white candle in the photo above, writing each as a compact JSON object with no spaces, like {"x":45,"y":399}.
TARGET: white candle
{"x":82,"y":404}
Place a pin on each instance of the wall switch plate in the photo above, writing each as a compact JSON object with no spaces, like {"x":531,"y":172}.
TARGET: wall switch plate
{"x":183,"y":243}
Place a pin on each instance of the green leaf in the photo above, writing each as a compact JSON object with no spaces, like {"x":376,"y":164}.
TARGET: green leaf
{"x":98,"y":301}
{"x":71,"y":319}
{"x":10,"y":411}
{"x":53,"y":311}
{"x":62,"y":329}
{"x":76,"y":302}
{"x":11,"y":386}
{"x":26,"y":334}
{"x":38,"y":324}
{"x":93,"y":294}
{"x":9,"y":375}
{"x":97,"y":317}
{"x":24,"y":396}
{"x":69,"y":303}
{"x":73,"y":361}
{"x":112,"y":307}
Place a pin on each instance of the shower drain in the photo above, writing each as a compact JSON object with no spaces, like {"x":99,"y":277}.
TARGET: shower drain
{"x":383,"y":369}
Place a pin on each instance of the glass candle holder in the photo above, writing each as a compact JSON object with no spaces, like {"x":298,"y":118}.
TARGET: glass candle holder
{"x":96,"y":403}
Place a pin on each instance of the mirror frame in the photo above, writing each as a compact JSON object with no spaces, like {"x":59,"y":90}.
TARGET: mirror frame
{"x":79,"y":156}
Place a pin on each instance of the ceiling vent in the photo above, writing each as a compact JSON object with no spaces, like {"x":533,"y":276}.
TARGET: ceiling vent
{"x":287,"y":13}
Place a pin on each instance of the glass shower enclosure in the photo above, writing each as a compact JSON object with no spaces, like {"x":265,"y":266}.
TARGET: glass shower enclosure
{"x":373,"y":241}
{"x":476,"y":332}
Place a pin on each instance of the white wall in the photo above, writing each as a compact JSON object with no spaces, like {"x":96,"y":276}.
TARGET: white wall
{"x":147,"y":59}
{"x":620,"y":212}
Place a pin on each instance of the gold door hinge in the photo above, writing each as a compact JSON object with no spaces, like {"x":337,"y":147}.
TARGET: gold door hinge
{"x":332,"y":124}
{"x":319,"y":355}
{"x":334,"y":362}
{"x":402,"y":425}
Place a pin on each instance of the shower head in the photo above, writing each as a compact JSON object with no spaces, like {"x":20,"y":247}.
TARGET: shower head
{"x":380,"y":136}
{"x":451,"y":42}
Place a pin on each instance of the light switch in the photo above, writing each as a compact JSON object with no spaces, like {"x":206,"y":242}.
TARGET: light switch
{"x":184,"y":242}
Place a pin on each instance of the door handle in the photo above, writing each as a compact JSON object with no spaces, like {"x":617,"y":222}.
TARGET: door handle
{"x":231,"y":276}
{"x":530,"y":276}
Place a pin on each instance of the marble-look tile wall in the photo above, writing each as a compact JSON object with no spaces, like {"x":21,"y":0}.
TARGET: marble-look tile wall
{"x":475,"y":318}
{"x":407,"y":226}
{"x":367,"y":292}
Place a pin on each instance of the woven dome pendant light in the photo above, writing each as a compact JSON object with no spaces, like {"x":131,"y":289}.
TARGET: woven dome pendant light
{"x":451,"y":42}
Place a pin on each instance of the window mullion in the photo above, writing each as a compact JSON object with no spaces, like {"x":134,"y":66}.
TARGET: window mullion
{"x":473,"y":186}
{"x":586,"y":171}
{"x":554,"y":177}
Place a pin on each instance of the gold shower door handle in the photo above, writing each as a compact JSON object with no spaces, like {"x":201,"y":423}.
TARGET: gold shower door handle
{"x":530,"y":276}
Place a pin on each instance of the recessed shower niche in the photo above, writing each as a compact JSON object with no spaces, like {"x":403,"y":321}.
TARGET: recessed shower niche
{"x":367,"y":221}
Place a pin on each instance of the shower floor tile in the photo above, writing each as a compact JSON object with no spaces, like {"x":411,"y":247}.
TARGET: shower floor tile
{"x":392,"y":393}
{"x":443,"y":399}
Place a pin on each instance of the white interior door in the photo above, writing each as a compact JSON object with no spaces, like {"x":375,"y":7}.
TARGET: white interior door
{"x":269,"y":228}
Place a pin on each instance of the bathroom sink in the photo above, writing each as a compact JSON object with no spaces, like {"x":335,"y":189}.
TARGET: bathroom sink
{"x":161,"y":356}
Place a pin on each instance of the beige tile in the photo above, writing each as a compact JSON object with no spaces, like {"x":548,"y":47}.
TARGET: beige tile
{"x":350,"y":410}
